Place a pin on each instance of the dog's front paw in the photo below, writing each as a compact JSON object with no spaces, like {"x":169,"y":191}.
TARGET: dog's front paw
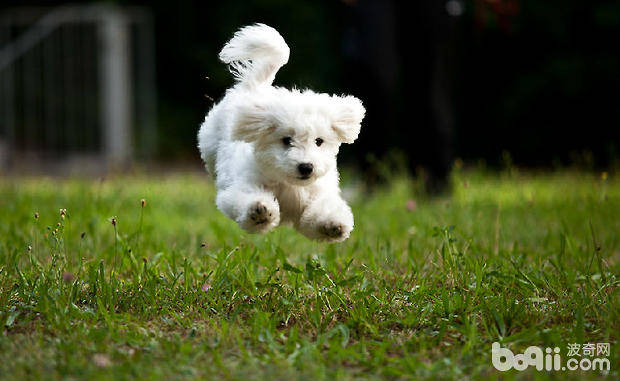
{"x":334,"y":231}
{"x":260,"y":217}
{"x":326,"y":221}
{"x":259,"y":214}
{"x":331,"y":230}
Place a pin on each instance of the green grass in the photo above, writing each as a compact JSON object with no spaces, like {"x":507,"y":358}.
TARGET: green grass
{"x":420,"y":290}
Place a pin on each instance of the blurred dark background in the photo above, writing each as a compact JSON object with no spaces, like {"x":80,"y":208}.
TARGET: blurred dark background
{"x":536,"y":83}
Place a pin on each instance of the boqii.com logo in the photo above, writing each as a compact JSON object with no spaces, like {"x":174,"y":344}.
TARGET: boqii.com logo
{"x":588,"y":356}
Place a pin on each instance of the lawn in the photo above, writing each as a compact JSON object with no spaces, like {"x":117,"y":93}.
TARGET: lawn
{"x":169,"y":288}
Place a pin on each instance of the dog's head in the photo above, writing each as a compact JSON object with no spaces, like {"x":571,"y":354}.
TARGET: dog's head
{"x":296,"y":135}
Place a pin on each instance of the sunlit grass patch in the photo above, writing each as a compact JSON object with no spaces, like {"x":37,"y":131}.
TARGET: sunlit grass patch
{"x":421,"y":289}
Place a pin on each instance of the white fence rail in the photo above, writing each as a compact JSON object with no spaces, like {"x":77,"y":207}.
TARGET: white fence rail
{"x":76,"y":82}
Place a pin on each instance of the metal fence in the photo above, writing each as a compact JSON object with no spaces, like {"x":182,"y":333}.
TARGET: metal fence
{"x":77,"y":84}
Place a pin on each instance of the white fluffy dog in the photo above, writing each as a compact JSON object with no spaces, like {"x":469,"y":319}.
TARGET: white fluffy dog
{"x":272,"y":150}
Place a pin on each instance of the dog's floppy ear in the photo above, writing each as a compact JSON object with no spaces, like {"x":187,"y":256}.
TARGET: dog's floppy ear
{"x":253,"y":121}
{"x":347,"y":114}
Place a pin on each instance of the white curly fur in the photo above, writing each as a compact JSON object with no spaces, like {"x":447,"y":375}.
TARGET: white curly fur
{"x":258,"y":178}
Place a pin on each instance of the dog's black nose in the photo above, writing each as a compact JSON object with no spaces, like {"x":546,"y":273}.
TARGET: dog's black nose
{"x":305,"y":169}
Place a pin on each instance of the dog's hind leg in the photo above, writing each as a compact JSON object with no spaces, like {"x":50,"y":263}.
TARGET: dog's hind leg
{"x":254,"y":209}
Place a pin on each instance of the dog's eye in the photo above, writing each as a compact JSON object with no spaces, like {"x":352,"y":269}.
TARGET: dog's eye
{"x":287,"y":141}
{"x":319,"y":141}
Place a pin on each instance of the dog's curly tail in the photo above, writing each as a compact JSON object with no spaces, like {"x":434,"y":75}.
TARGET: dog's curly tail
{"x":254,"y":54}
